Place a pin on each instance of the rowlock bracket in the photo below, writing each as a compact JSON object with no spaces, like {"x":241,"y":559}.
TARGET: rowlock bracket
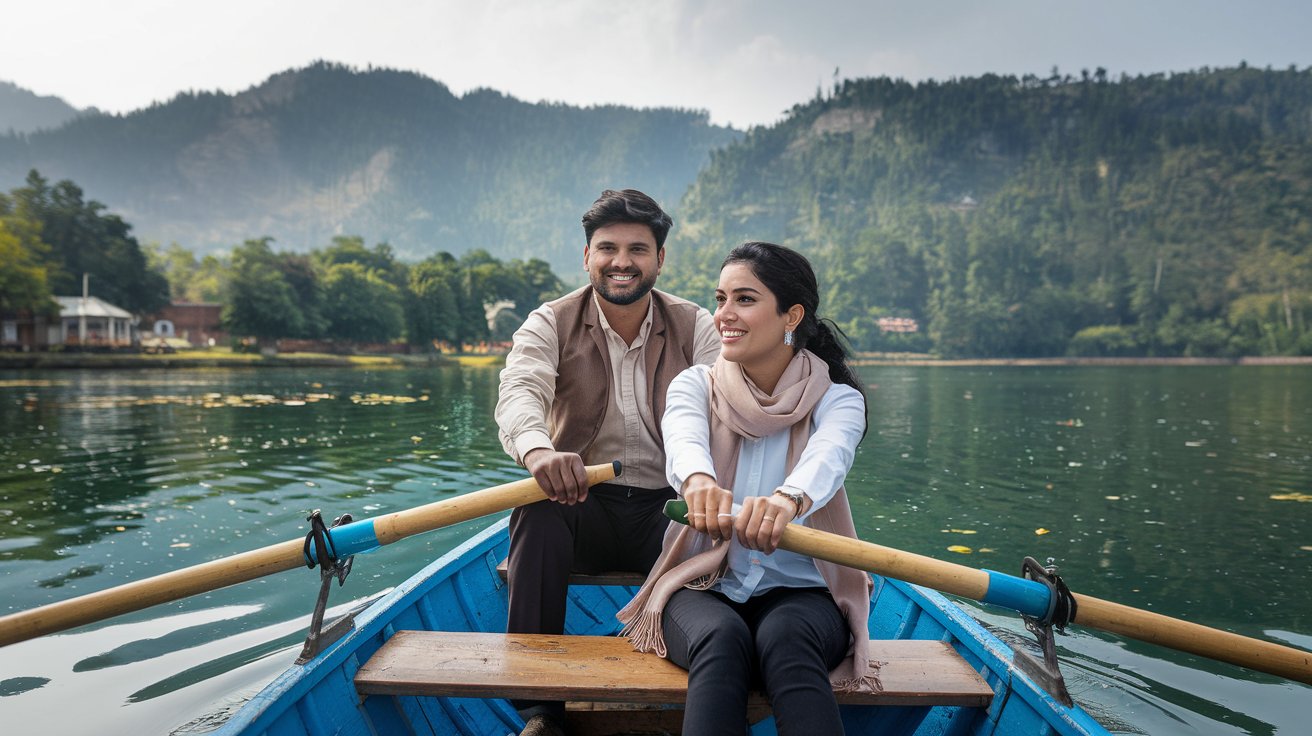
{"x":319,"y":550}
{"x":1061,"y":611}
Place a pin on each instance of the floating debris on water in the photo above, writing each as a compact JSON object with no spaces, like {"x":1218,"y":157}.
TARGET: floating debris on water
{"x":1070,"y":423}
{"x":375,"y":399}
{"x":1300,"y":497}
{"x":960,"y":549}
{"x":1040,"y":531}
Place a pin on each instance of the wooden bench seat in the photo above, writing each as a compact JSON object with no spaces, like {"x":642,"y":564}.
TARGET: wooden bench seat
{"x":605,"y":669}
{"x":602,"y":578}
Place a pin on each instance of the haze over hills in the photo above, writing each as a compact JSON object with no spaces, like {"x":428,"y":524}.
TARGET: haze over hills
{"x":1167,"y":214}
{"x":1164,"y":214}
{"x":390,"y":156}
{"x":24,"y":111}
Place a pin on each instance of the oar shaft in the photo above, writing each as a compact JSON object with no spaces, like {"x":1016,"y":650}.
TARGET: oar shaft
{"x":1032,"y":598}
{"x":139,"y":594}
{"x":1094,"y":613}
{"x":240,"y":568}
{"x":1255,"y":654}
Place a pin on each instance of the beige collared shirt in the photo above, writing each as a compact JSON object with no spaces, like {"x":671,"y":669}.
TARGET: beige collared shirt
{"x":528,"y":388}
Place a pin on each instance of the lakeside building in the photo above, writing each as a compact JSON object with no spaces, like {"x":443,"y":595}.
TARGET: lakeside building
{"x":199,"y":323}
{"x":84,"y":322}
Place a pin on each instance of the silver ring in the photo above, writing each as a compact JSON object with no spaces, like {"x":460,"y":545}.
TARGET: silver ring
{"x":721,"y":516}
{"x":768,"y":518}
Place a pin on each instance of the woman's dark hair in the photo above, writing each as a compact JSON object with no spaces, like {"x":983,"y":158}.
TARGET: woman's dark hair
{"x":628,"y":205}
{"x":788,"y":275}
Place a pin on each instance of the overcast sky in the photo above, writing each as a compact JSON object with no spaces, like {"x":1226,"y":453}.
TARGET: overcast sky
{"x":744,"y":62}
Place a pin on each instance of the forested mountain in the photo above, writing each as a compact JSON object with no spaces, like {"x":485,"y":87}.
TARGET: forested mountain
{"x":390,"y":156}
{"x":24,"y":111}
{"x":1153,"y":215}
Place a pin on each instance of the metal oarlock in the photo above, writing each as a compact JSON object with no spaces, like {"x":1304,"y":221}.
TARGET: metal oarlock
{"x":1061,"y":611}
{"x":319,"y":550}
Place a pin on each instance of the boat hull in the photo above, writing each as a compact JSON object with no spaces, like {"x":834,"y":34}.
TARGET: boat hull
{"x":462,"y":591}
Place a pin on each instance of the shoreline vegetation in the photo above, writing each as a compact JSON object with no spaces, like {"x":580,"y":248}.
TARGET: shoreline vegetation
{"x":187,"y":359}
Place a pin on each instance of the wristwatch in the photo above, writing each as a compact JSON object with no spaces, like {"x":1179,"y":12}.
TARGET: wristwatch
{"x":795,"y":496}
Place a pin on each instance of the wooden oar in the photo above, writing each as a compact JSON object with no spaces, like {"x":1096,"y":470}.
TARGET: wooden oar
{"x":347,"y":540}
{"x":1033,"y":598}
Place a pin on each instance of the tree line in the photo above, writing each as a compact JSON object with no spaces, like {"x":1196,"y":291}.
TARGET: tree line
{"x":50,"y":235}
{"x":1150,"y":215}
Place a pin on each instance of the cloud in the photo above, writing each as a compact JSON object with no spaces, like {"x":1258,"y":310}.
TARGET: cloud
{"x":745,"y":61}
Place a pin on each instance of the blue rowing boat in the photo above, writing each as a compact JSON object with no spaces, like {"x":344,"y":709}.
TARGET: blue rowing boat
{"x":463,"y":592}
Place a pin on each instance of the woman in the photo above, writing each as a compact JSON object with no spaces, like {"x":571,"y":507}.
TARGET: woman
{"x":761,"y":439}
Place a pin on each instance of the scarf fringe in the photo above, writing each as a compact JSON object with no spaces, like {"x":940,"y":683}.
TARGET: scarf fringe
{"x":644,"y":633}
{"x":867,"y":683}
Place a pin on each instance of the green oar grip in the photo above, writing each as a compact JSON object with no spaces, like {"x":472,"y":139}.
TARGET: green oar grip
{"x":677,"y":510}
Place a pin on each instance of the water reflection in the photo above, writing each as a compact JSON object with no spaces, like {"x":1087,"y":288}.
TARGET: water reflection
{"x":1173,"y":489}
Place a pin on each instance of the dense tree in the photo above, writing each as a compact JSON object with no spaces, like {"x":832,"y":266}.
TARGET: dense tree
{"x":84,"y":240}
{"x":259,"y":302}
{"x":1157,"y":215}
{"x":190,"y":280}
{"x":23,"y":284}
{"x":360,"y":304}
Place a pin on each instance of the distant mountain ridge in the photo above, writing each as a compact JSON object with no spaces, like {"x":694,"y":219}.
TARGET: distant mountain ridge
{"x":387,"y":155}
{"x":1161,"y":214}
{"x":24,"y":111}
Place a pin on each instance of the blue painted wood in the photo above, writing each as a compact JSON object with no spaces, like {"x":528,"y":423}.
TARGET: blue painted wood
{"x":462,"y":592}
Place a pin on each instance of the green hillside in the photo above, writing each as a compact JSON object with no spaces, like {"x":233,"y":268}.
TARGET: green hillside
{"x":391,"y":156}
{"x":1154,"y":215}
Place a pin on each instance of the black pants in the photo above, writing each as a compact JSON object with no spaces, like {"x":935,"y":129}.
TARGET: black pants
{"x":786,"y":640}
{"x":618,"y":528}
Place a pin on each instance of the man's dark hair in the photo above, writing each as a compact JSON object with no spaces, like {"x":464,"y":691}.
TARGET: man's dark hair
{"x":629,"y":205}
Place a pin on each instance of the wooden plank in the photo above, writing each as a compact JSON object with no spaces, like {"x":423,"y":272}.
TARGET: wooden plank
{"x":606,"y":669}
{"x":616,"y":577}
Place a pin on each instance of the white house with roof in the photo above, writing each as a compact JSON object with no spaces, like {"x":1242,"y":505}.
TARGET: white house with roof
{"x":83,"y":321}
{"x":92,"y":321}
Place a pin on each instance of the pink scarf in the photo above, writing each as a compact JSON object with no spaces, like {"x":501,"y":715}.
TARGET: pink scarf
{"x":690,"y":559}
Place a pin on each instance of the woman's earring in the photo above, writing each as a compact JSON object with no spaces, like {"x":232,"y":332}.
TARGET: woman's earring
{"x":788,"y":338}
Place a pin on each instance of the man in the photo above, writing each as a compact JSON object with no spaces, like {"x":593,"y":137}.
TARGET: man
{"x":585,"y":383}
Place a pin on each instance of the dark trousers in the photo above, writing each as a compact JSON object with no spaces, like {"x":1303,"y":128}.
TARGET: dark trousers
{"x":618,"y":528}
{"x":785,"y":640}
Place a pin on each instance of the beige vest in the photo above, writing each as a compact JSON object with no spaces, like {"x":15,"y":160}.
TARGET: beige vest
{"x":584,"y":383}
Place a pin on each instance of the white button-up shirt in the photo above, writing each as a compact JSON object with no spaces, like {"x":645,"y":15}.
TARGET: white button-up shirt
{"x":837,"y":424}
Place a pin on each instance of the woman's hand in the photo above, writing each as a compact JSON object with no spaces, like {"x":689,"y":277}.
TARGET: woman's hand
{"x":762,"y":521}
{"x":710,"y":507}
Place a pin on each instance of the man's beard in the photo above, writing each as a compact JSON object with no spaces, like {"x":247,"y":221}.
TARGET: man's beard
{"x":605,"y":288}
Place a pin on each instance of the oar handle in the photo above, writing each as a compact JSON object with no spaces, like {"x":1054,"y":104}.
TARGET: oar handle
{"x":240,"y":568}
{"x":1023,"y":595}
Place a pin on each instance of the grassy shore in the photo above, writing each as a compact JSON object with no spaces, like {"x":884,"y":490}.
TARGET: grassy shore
{"x":214,"y":358}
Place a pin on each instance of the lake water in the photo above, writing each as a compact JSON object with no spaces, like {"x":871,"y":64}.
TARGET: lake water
{"x":1181,"y":490}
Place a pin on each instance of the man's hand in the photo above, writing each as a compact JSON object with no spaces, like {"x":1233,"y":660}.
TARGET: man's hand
{"x":709,"y":506}
{"x":560,"y":474}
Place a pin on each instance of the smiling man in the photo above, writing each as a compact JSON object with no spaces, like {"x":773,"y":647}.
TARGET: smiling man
{"x":584,"y":384}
